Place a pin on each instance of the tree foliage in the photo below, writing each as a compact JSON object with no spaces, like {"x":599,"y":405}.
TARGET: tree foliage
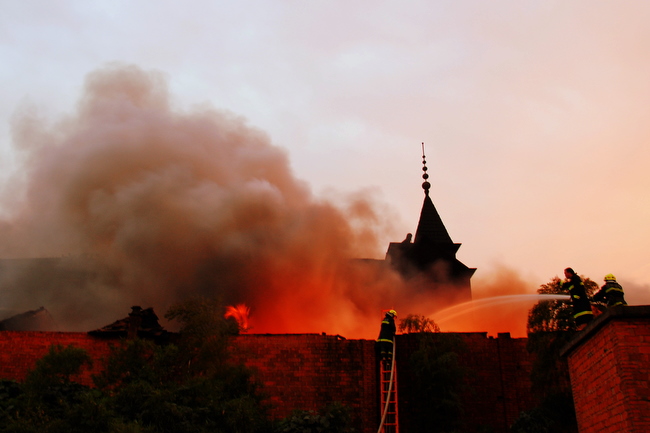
{"x":437,"y":375}
{"x":334,"y":418}
{"x":57,"y":367}
{"x":50,"y":401}
{"x":550,"y":328}
{"x":555,"y":314}
{"x":439,"y":382}
{"x":203,"y":348}
{"x":187,"y":386}
{"x":177,"y":388}
{"x":413,"y":323}
{"x":138,"y":360}
{"x":533,"y":421}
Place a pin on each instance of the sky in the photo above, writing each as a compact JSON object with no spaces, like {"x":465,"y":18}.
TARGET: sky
{"x":534,"y":114}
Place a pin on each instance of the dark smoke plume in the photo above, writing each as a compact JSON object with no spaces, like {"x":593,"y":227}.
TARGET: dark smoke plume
{"x":131,"y":202}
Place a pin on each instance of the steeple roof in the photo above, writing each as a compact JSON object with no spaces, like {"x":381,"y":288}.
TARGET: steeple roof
{"x":432,"y":254}
{"x":430,"y":227}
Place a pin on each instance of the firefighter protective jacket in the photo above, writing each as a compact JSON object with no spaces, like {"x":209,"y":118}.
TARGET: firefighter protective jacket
{"x":612,"y":293}
{"x":387,"y":330}
{"x":581,"y":306}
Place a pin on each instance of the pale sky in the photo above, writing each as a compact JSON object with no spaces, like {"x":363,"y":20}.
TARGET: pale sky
{"x":535,"y":114}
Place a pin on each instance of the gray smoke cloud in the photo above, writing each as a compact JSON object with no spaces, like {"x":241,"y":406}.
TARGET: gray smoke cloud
{"x":129,"y":201}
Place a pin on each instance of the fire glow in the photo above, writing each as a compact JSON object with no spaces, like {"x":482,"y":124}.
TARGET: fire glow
{"x":240,"y":313}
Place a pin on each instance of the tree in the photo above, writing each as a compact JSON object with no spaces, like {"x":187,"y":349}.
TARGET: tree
{"x":51,"y":401}
{"x":555,"y":314}
{"x":57,"y":367}
{"x":437,"y":376}
{"x":187,"y":387}
{"x":550,"y":328}
{"x":204,"y":334}
{"x":334,"y":418}
{"x":533,"y":421}
{"x":133,"y":361}
{"x":413,"y":323}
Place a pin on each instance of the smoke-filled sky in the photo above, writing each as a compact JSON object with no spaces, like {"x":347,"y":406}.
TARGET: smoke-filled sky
{"x":534,"y":115}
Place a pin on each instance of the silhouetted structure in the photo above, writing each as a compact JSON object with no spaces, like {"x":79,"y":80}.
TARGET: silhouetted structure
{"x":33,"y":320}
{"x":141,"y":323}
{"x":432,"y":255}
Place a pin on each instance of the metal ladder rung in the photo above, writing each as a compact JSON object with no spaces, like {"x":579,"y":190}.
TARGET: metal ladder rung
{"x":391,"y":421}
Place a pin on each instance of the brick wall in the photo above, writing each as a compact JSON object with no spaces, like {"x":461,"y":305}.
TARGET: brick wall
{"x":498,"y":381}
{"x":609,"y":364}
{"x":19,"y":351}
{"x":309,"y":371}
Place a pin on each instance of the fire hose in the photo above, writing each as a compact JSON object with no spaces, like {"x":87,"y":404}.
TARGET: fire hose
{"x":390,"y":388}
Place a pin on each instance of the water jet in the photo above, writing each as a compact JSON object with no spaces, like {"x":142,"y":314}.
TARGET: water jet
{"x":470,"y":306}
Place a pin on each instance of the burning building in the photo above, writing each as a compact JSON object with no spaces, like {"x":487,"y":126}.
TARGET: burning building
{"x":424,"y":268}
{"x":428,"y":263}
{"x":433,"y":254}
{"x":131,"y":201}
{"x":161,"y":205}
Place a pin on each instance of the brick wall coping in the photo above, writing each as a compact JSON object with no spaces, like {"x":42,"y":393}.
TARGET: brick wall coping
{"x":613,"y":313}
{"x":313,"y":335}
{"x":43,"y":333}
{"x":475,"y":334}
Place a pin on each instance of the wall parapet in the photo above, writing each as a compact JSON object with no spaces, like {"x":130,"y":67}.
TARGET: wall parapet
{"x":609,"y":366}
{"x":310,"y":371}
{"x":613,"y":313}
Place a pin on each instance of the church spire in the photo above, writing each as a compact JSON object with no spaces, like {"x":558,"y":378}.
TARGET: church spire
{"x":430,"y":227}
{"x":432,"y":255}
{"x":425,"y":185}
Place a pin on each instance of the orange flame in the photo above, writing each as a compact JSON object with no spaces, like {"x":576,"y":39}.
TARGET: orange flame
{"x":240,"y":314}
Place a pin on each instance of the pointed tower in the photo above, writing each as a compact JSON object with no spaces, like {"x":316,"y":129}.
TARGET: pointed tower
{"x":432,"y":254}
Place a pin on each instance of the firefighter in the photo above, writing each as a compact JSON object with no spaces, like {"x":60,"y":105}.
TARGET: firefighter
{"x":386,"y":336}
{"x":582,"y":313}
{"x":611,"y":292}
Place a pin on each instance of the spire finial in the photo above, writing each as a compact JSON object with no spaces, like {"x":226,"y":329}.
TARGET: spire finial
{"x":425,"y":185}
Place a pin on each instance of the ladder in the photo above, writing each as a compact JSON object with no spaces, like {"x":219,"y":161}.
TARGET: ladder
{"x":390,"y":424}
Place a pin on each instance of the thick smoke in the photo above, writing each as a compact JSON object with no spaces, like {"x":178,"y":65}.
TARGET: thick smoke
{"x":130,"y":201}
{"x":149,"y":205}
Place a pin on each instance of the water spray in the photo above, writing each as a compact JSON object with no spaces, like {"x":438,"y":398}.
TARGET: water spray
{"x":468,"y":307}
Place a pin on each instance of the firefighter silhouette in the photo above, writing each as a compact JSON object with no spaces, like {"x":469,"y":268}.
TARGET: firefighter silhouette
{"x":386,"y":336}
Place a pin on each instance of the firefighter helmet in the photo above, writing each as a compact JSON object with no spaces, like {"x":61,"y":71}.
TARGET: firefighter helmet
{"x":610,"y":277}
{"x":392,"y":313}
